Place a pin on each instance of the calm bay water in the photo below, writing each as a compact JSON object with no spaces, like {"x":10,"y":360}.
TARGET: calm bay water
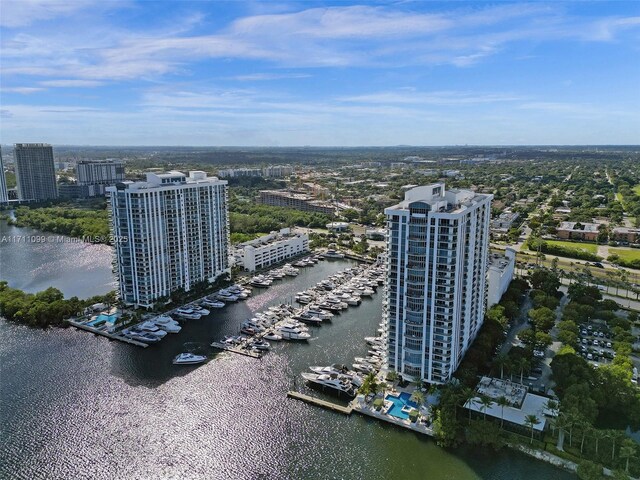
{"x":74,"y":405}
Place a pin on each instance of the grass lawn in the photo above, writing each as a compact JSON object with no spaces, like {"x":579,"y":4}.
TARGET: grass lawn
{"x":587,"y":247}
{"x":627,"y":254}
{"x":636,"y":190}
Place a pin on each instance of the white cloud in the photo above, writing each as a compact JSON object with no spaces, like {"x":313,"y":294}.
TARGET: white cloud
{"x":71,"y":83}
{"x":22,"y":90}
{"x":258,"y":77}
{"x":342,"y":36}
{"x":18,"y":13}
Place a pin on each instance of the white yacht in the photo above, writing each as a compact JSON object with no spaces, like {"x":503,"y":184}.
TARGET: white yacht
{"x":292,"y":332}
{"x":151,"y":328}
{"x":331,"y":381}
{"x":198,"y":309}
{"x":168,"y":324}
{"x":333,"y":254}
{"x":272,"y":336}
{"x":213,"y":303}
{"x":188,"y":359}
{"x":188,"y":313}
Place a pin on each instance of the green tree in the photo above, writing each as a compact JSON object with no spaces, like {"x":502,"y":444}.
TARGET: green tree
{"x":627,"y":451}
{"x":502,"y":402}
{"x":588,"y":470}
{"x":531,"y":421}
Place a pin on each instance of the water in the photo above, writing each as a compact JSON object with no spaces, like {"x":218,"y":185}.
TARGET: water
{"x":74,"y":405}
{"x":27,"y":263}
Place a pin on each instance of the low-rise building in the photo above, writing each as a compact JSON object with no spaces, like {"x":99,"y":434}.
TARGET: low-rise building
{"x":499,"y":275}
{"x":240,"y":172}
{"x":504,"y":222}
{"x":578,"y":231}
{"x":520,"y":404}
{"x":625,"y":234}
{"x":295,"y":199}
{"x":375,"y":233}
{"x":270,"y":249}
{"x":338,"y":227}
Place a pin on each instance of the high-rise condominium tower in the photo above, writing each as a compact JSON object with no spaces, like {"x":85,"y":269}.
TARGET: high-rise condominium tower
{"x":99,"y":174}
{"x":35,"y":171}
{"x":436,"y":274}
{"x":170,"y":232}
{"x":4,"y":193}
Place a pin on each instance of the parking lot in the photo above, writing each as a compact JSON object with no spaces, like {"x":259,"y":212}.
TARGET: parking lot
{"x":596,"y":344}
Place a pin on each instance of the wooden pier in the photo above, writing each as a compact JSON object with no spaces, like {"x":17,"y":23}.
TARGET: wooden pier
{"x":238,"y":350}
{"x":112,"y":336}
{"x":320,"y":403}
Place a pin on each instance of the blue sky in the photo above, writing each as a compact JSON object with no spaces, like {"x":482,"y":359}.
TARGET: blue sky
{"x":125,"y":72}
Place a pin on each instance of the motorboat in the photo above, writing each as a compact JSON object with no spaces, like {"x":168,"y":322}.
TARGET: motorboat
{"x":202,"y":311}
{"x":333,"y":254}
{"x":226,"y":296}
{"x":341,"y":370}
{"x":318,"y":312}
{"x":292,"y":332}
{"x":308,"y":319}
{"x":329,"y":306}
{"x":248,"y":330}
{"x":260,"y":345}
{"x":364,"y":368}
{"x":373,"y":340}
{"x":304,"y":299}
{"x":260,"y":281}
{"x":332,"y":382}
{"x":272,"y":336}
{"x":188,"y":359}
{"x":151,"y":328}
{"x":213,"y":303}
{"x":167,"y":324}
{"x":140,"y":336}
{"x":254,"y":324}
{"x":188,"y":313}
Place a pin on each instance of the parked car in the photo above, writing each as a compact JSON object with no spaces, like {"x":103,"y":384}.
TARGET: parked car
{"x":598,"y":264}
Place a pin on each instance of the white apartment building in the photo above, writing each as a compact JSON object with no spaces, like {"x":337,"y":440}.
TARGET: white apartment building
{"x":170,"y":232}
{"x":437,"y":248}
{"x":499,"y":275}
{"x":269,"y":249}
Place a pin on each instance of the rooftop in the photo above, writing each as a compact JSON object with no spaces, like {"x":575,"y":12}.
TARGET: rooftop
{"x":579,"y":227}
{"x":521,"y":402}
{"x":439,"y":199}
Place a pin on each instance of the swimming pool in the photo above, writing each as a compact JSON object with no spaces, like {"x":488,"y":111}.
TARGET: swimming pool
{"x":399,"y":403}
{"x":103,"y":318}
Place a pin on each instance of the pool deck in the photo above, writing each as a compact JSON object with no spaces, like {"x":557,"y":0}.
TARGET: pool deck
{"x":321,"y":403}
{"x":416,"y":427}
{"x":112,"y":336}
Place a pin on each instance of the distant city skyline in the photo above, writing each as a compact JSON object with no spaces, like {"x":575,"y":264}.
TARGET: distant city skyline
{"x":207,"y":73}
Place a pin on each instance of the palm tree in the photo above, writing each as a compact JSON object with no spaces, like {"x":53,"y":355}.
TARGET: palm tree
{"x":522,"y":364}
{"x":585,"y":426}
{"x":531,"y":421}
{"x":500,"y":361}
{"x":466,"y":395}
{"x":502,"y":402}
{"x":561,"y":422}
{"x":485,"y":402}
{"x":627,"y":450}
{"x":418,"y":397}
{"x":598,"y":435}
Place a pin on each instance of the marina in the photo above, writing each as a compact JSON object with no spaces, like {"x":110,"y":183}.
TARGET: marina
{"x":194,"y":408}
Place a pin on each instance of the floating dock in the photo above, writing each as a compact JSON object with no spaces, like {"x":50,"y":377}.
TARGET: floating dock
{"x":238,"y":350}
{"x":320,"y":403}
{"x":112,"y":336}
